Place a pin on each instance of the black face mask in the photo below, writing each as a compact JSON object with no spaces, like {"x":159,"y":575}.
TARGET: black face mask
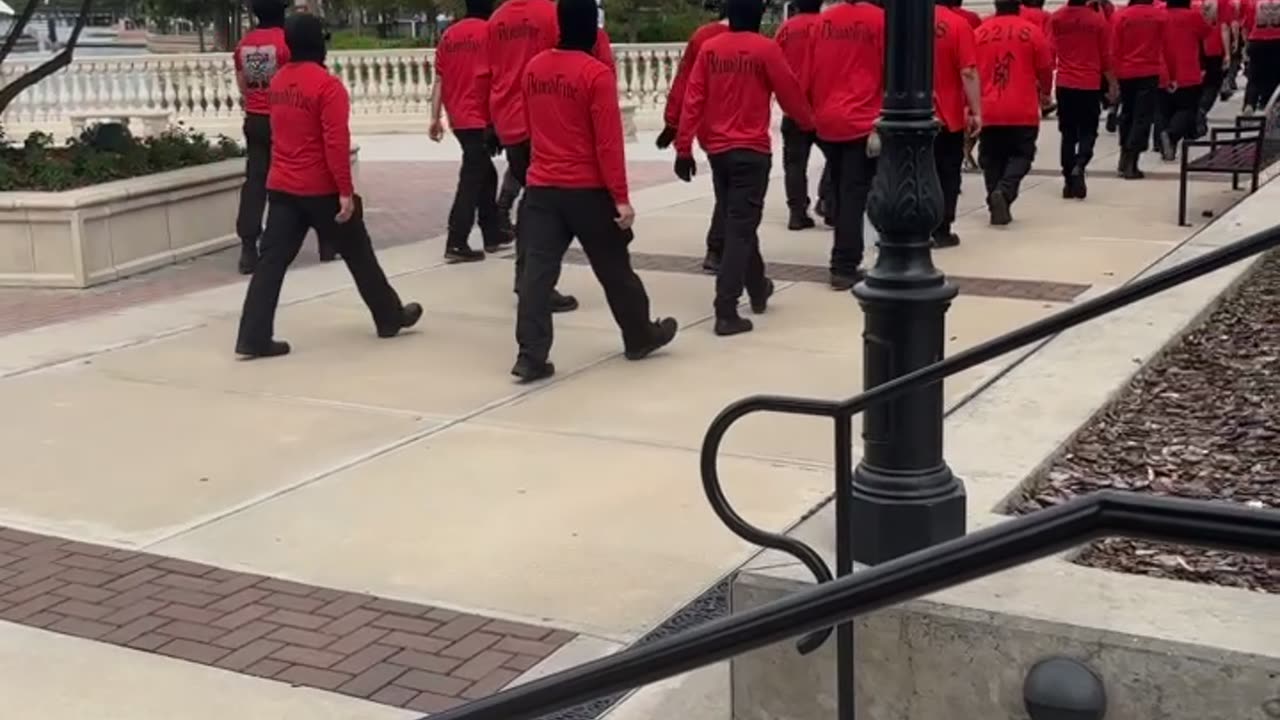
{"x":577,"y":24}
{"x":744,"y":15}
{"x":305,"y":35}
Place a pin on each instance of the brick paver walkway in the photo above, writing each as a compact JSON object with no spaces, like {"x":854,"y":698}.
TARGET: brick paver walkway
{"x":387,"y":651}
{"x":407,"y":202}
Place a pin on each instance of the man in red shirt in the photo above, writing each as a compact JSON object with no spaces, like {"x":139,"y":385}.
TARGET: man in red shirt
{"x":1184,"y":36}
{"x":1260,"y":24}
{"x":519,"y":30}
{"x":957,"y":96}
{"x":462,"y":86}
{"x":794,"y":37}
{"x":259,"y":55}
{"x":728,"y":107}
{"x":311,"y":188}
{"x":1017,"y":72}
{"x":1083,"y":41}
{"x":577,"y":187}
{"x":1137,"y":49}
{"x":845,"y":85}
{"x":1219,"y":15}
{"x":671,"y":118}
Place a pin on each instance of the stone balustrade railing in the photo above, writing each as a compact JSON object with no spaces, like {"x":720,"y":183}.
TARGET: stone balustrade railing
{"x":390,"y":89}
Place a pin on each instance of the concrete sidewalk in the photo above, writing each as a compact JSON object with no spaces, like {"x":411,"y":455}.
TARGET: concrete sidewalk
{"x":415,"y":470}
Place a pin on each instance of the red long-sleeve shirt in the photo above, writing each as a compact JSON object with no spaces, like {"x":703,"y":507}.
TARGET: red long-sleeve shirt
{"x":310,"y":132}
{"x":258,"y":57}
{"x":1036,"y":16}
{"x":675,"y":96}
{"x":577,"y":141}
{"x":519,"y":30}
{"x":1082,"y":38}
{"x":1137,"y":41}
{"x":794,"y":37}
{"x":1014,"y":62}
{"x":973,"y":18}
{"x":739,"y":73}
{"x":845,"y":82}
{"x":462,"y":66}
{"x":1183,"y":37}
{"x":1261,"y":19}
{"x":1217,"y":14}
{"x":953,"y":53}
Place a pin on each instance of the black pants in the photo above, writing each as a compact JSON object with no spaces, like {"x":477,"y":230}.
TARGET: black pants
{"x":508,"y":192}
{"x":796,"y":146}
{"x":477,"y":191}
{"x":1164,"y":114}
{"x":741,"y":180}
{"x":253,"y":194}
{"x":1264,"y":72}
{"x":948,"y":156}
{"x":1184,"y":109}
{"x":1078,"y":113}
{"x":1005,"y":154}
{"x":550,"y":220}
{"x":715,"y":231}
{"x":288,"y":221}
{"x":1137,"y":112}
{"x":518,"y":159}
{"x":851,"y":175}
{"x":1214,"y":75}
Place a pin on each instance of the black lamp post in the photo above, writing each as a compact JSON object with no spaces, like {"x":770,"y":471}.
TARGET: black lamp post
{"x":904,"y":495}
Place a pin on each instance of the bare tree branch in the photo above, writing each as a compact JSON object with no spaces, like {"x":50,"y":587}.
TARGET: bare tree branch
{"x":19,"y":27}
{"x":11,"y":91}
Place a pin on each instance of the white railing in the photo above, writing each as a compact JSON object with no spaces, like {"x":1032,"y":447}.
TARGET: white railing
{"x":200,"y":89}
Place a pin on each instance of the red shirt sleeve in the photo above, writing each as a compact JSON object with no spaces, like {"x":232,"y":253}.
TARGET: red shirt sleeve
{"x":606,"y":123}
{"x":1043,"y":61}
{"x":966,"y":47}
{"x":1104,"y":46}
{"x":604,"y":51}
{"x":690,"y":114}
{"x":787,"y":89}
{"x":675,"y":97}
{"x":335,"y":126}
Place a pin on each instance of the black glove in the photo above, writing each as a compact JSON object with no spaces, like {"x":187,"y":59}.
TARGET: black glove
{"x":686,"y":168}
{"x":666,"y":137}
{"x":491,"y":141}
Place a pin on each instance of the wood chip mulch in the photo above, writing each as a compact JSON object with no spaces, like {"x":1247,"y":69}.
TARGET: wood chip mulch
{"x":1202,"y":422}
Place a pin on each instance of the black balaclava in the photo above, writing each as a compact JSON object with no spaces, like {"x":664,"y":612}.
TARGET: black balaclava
{"x":1008,"y":7}
{"x":1033,"y":3}
{"x":304,"y":34}
{"x":744,"y":15}
{"x":479,"y":9}
{"x":577,"y":24}
{"x":949,"y":3}
{"x":1178,"y":4}
{"x":808,"y":7}
{"x":270,"y":13}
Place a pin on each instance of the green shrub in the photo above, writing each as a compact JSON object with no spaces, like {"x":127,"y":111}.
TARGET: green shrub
{"x":349,"y":40}
{"x":104,"y":153}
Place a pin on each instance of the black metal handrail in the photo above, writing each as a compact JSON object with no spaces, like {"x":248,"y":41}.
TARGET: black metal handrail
{"x":973,"y":556}
{"x":970,"y":557}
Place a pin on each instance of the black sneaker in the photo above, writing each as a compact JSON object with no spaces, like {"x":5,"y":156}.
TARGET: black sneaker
{"x":409,"y":316}
{"x":529,"y":371}
{"x":1168,"y":151}
{"x":1078,"y":183}
{"x":945,"y":240}
{"x":563,"y":303}
{"x":760,"y":304}
{"x":462,"y":254}
{"x":711,"y":263}
{"x":800,"y":221}
{"x":248,"y":257}
{"x":328,"y":254}
{"x":500,"y":241}
{"x":998,"y":204}
{"x":1113,"y":121}
{"x":726,"y":326}
{"x":842,"y":282}
{"x":274,"y":348}
{"x":664,"y":331}
{"x":1068,"y":189}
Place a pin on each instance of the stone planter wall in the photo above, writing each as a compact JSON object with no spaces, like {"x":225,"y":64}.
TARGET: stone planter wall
{"x":85,"y":237}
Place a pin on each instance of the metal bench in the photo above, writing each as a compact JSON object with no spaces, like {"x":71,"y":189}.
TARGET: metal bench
{"x":1252,"y":145}
{"x":154,"y":122}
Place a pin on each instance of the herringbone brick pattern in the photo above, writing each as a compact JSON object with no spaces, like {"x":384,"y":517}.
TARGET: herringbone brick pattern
{"x":388,"y":651}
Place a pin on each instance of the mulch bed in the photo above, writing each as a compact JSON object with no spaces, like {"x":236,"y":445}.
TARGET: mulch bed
{"x":1202,"y":422}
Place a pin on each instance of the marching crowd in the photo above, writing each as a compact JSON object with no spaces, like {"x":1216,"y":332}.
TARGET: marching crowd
{"x":535,"y":80}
